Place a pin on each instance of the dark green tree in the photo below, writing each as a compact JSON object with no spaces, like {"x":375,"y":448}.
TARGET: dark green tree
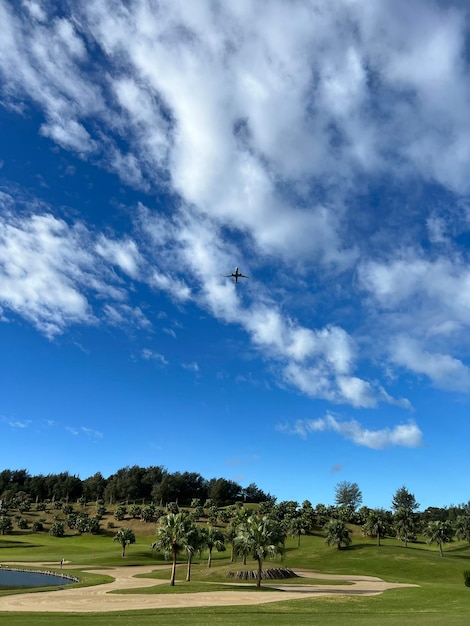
{"x":462,"y":527}
{"x":337,"y":534}
{"x":405,"y":523}
{"x":403,"y":499}
{"x":376,"y":525}
{"x":6,"y":525}
{"x":57,"y":529}
{"x":439,"y":532}
{"x":348,"y":495}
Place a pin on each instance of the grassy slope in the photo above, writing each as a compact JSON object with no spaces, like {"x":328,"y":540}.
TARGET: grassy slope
{"x":441,"y":598}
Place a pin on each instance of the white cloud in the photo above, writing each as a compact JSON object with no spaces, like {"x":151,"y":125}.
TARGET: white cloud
{"x":125,"y":315}
{"x":123,"y":254}
{"x":406,"y":435}
{"x":175,"y":287}
{"x":150,"y":355}
{"x":13,"y":423}
{"x":41,"y":262}
{"x":54,"y":274}
{"x":444,"y":370}
{"x":265,"y":128}
{"x":91,"y":433}
{"x":35,"y":9}
{"x":194,"y":367}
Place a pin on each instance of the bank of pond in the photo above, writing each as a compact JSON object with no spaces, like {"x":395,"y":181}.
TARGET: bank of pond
{"x":12,"y":578}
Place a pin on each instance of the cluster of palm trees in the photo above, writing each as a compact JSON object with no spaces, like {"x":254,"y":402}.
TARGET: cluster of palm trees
{"x":405,"y":525}
{"x":248,"y":534}
{"x":261,"y":534}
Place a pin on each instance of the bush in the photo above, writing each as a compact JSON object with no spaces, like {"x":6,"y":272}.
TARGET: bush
{"x":37,"y":527}
{"x":6,"y":525}
{"x":466,"y":577}
{"x":22,"y":524}
{"x":120,"y":512}
{"x":57,"y":530}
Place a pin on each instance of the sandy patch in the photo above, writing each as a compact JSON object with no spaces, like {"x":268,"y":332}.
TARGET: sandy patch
{"x":97,"y":598}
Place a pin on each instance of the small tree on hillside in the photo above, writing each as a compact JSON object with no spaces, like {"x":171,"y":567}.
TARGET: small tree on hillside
{"x":376,"y":524}
{"x":403,"y":499}
{"x":337,"y":534}
{"x":406,"y":525}
{"x":462,"y":527}
{"x":6,"y":525}
{"x":57,"y":529}
{"x":124,"y":536}
{"x":298,"y":526}
{"x":439,"y":532}
{"x":211,"y":538}
{"x":348,"y":495}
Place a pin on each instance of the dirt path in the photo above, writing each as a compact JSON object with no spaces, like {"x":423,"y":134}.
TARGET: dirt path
{"x":97,"y":598}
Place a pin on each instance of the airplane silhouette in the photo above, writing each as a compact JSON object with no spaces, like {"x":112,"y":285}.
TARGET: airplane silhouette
{"x":236,"y":275}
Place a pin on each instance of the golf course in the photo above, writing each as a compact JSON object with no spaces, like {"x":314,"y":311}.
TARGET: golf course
{"x":362,"y":584}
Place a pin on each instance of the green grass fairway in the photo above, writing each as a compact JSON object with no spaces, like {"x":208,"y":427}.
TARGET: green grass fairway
{"x":441,"y":597}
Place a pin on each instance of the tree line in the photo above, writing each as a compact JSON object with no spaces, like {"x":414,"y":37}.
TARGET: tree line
{"x":128,"y":484}
{"x":156,"y":485}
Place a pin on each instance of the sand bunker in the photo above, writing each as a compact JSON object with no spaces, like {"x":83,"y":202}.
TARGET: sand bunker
{"x":97,"y":598}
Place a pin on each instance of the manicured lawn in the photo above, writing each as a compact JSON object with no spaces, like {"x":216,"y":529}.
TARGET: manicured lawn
{"x":442,"y":597}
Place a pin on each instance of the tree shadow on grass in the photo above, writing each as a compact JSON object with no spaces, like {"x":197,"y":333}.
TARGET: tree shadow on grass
{"x":19,"y":544}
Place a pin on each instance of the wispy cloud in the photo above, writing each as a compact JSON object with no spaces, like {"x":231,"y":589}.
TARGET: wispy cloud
{"x":193,"y":367}
{"x":14,"y":423}
{"x":90,"y":433}
{"x":150,"y":355}
{"x":407,"y":435}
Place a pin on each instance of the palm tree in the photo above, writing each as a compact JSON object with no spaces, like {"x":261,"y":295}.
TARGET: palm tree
{"x":337,"y":534}
{"x":376,"y":524}
{"x":213,"y":538}
{"x":124,"y":536}
{"x":439,"y":532}
{"x":231,"y":533}
{"x":298,"y":526}
{"x":194,"y":543}
{"x":173,"y":536}
{"x":404,"y":522}
{"x":264,"y":538}
{"x":239,"y":522}
{"x":462,"y":527}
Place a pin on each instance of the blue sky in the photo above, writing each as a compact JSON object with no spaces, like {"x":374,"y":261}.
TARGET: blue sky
{"x":147,"y":149}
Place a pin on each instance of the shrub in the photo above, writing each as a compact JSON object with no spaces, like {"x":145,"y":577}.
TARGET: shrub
{"x":6,"y":525}
{"x":466,"y":577}
{"x":57,"y":529}
{"x":120,"y":512}
{"x":37,"y":526}
{"x":100,"y":510}
{"x":22,"y":524}
{"x":172,"y":507}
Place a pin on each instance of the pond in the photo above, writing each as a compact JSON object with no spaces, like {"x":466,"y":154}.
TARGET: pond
{"x":19,"y":579}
